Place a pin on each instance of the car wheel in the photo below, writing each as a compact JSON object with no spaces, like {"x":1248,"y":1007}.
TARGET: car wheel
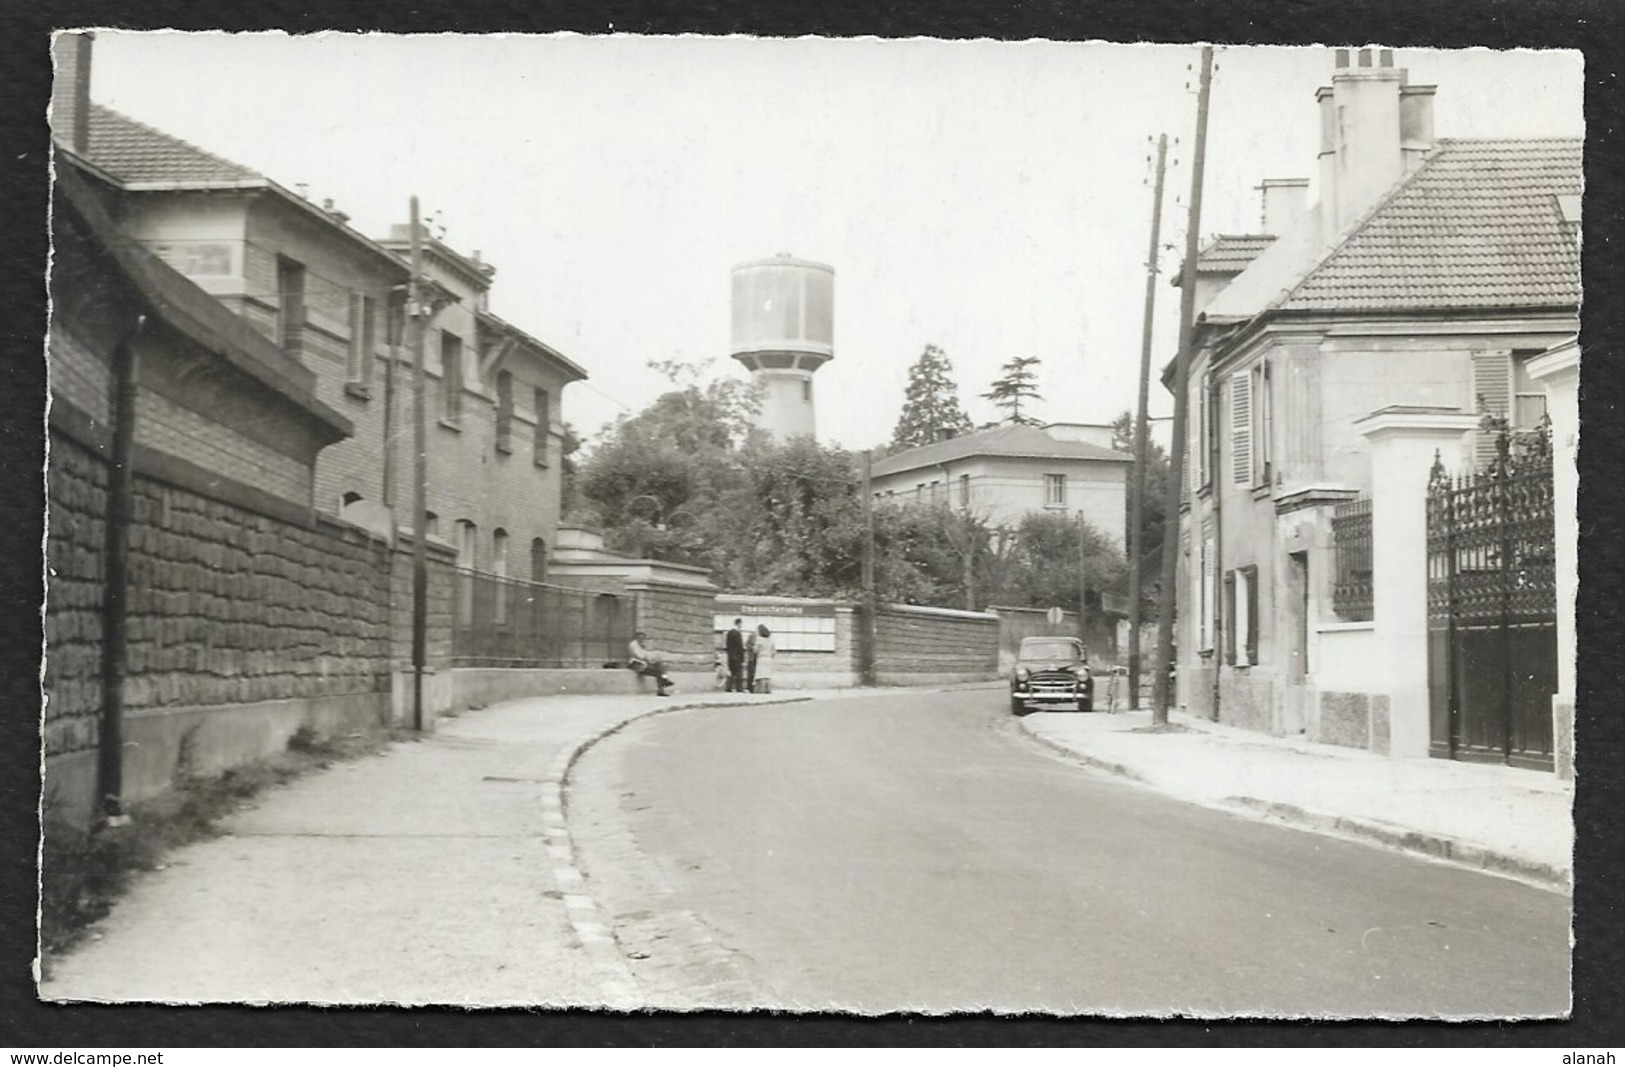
{"x":1017,"y":707}
{"x":1086,"y":705}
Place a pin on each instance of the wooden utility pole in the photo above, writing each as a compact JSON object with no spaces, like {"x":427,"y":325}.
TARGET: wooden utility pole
{"x":867,"y":662}
{"x":1137,"y":500}
{"x":1182,"y":373}
{"x":1083,"y":582}
{"x":416,"y":320}
{"x":116,"y":577}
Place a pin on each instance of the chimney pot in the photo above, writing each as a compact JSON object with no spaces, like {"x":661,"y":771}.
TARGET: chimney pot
{"x":1342,"y":58}
{"x":303,"y":190}
{"x":1385,"y":58}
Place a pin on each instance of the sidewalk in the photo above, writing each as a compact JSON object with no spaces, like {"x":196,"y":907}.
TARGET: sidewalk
{"x":1501,"y":819}
{"x":376,"y":881}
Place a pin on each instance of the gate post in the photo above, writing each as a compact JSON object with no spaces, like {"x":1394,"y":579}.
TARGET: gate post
{"x":1558,"y":371}
{"x":1403,"y":441}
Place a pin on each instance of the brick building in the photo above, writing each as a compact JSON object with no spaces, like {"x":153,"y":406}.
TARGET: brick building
{"x":244,"y":614}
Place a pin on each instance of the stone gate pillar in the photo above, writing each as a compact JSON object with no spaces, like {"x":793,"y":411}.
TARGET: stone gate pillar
{"x":1403,"y":442}
{"x":1558,"y":371}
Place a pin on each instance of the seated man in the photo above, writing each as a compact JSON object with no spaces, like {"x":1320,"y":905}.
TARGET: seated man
{"x":643,"y":662}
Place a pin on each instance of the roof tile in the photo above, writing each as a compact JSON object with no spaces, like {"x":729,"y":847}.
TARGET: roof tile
{"x":131,"y":151}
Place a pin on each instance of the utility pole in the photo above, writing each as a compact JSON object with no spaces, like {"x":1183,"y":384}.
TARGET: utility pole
{"x":420,"y":476}
{"x":867,"y":664}
{"x":1137,"y":517}
{"x":1083,"y":582}
{"x":1182,"y":374}
{"x":116,"y":577}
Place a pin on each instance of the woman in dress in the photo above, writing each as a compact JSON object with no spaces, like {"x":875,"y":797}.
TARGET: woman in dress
{"x":764,"y":660}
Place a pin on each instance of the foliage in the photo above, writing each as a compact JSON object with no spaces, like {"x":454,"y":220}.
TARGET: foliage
{"x":931,"y":408}
{"x":1016,"y":383}
{"x":1045,"y":570}
{"x":569,"y":470}
{"x":1154,"y":516}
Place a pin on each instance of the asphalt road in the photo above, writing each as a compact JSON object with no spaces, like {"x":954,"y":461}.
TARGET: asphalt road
{"x":918,"y":852}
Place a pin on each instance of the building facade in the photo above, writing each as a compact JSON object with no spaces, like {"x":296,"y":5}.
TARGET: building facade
{"x":1417,"y":291}
{"x":1002,"y":474}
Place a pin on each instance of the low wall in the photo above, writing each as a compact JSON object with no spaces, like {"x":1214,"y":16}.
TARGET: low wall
{"x":924,"y":646}
{"x":1346,"y":705}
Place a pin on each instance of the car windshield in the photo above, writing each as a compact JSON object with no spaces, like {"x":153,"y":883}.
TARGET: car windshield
{"x":1055,"y":648}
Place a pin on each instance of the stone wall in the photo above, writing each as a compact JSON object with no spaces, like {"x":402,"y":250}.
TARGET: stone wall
{"x":77,"y":507}
{"x":677,"y":618}
{"x":916,"y":645}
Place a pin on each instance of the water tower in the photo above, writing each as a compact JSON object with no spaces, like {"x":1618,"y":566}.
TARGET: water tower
{"x":784,"y":330}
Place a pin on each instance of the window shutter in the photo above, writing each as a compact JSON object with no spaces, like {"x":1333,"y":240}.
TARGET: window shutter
{"x":1492,"y":395}
{"x":1241,"y":427}
{"x":1195,"y":476}
{"x":1250,"y":583}
{"x":1229,"y":623}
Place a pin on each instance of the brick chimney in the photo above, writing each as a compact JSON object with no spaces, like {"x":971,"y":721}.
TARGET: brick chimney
{"x":1374,"y":128}
{"x":1284,"y":202}
{"x":70,"y":91}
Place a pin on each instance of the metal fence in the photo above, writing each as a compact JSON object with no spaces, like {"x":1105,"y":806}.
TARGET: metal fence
{"x":507,"y":622}
{"x":1351,"y":543}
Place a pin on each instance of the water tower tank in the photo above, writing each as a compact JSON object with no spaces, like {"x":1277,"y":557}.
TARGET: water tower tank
{"x":783,"y":331}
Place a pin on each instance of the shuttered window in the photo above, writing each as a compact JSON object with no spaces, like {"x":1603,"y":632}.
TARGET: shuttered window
{"x":1262,"y":431}
{"x":1204,"y":619}
{"x":1492,"y":396}
{"x":1241,"y":427}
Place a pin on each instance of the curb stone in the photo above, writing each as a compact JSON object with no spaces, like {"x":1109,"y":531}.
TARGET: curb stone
{"x":616,"y":983}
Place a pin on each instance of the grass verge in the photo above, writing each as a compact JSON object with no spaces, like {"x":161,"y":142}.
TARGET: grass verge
{"x":83,"y":873}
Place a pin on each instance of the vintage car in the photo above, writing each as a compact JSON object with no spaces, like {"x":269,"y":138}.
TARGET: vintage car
{"x":1051,"y":670}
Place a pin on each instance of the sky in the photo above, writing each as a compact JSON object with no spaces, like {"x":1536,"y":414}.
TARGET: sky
{"x":992,"y":198}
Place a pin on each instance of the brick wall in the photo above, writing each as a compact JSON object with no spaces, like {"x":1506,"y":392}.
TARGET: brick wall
{"x":441,"y":561}
{"x":77,"y":374}
{"x":170,"y":427}
{"x":74,"y":548}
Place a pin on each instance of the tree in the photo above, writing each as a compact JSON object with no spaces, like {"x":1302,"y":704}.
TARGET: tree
{"x":1156,"y":487}
{"x":931,"y":408}
{"x":1015,"y":384}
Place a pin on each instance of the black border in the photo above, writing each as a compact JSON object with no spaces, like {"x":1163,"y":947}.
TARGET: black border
{"x":1592,"y":26}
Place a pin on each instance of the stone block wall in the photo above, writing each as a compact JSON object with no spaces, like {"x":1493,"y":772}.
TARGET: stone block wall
{"x":228,"y":606}
{"x":74,"y":549}
{"x":917,"y":645}
{"x":441,"y":572}
{"x":678,"y":619}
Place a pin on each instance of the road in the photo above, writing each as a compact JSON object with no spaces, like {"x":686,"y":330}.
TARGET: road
{"x":918,"y":852}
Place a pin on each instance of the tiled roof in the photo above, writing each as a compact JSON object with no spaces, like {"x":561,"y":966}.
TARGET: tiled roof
{"x":1477,"y":225}
{"x":131,"y":151}
{"x":1020,"y":441}
{"x":1230,"y":253}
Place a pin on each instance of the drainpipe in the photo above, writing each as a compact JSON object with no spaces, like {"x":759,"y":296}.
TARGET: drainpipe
{"x":115,"y":580}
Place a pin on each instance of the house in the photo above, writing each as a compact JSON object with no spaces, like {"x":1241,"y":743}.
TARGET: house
{"x":1407,"y":303}
{"x":495,"y":440}
{"x":1001,"y":474}
{"x":186,"y":558}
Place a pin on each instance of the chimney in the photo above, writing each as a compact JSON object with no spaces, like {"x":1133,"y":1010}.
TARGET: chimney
{"x":70,"y":91}
{"x":1284,"y":202}
{"x":1374,"y":129}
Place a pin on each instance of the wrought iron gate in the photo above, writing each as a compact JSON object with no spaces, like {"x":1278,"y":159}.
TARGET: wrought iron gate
{"x":1492,"y":606}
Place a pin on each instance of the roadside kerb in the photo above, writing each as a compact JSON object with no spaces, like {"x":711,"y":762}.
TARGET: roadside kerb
{"x":615,"y":980}
{"x":1435,"y":846}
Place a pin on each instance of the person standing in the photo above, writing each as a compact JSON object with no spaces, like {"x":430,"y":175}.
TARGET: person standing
{"x":734,"y":646}
{"x":750,"y":662}
{"x":644,"y":662}
{"x":762,"y":672}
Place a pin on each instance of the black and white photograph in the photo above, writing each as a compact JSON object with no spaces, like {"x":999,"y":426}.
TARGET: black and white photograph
{"x":727,"y":523}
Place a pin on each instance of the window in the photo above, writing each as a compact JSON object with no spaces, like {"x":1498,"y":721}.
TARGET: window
{"x":1197,"y":438}
{"x":964,"y":491}
{"x":936,"y":493}
{"x":1241,"y":427}
{"x":363,"y":340}
{"x":451,"y":380}
{"x":544,"y":425}
{"x":467,"y":532}
{"x":919,"y":493}
{"x":431,"y":524}
{"x":1205,"y":606}
{"x":806,"y":390}
{"x":538,"y":560}
{"x":1263,"y":413}
{"x":1055,"y":490}
{"x":499,"y":567}
{"x":290,"y":294}
{"x":1492,"y":396}
{"x":504,"y":411}
{"x":1241,"y":616}
{"x":1528,"y":397}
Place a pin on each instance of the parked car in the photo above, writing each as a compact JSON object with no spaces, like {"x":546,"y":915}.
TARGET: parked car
{"x":1051,"y":670}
